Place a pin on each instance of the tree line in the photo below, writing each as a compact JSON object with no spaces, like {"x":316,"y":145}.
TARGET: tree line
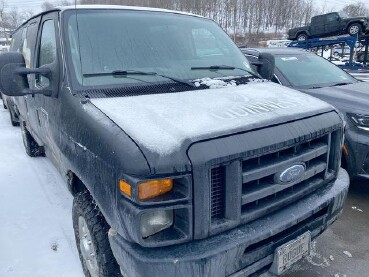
{"x":241,"y":17}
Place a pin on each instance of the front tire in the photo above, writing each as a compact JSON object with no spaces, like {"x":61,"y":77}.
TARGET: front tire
{"x":302,"y":37}
{"x":13,"y":117}
{"x":91,"y":233}
{"x":355,"y":29}
{"x":31,"y":146}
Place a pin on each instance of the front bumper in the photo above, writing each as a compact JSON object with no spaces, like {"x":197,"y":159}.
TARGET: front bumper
{"x":357,"y":158}
{"x":239,"y":252}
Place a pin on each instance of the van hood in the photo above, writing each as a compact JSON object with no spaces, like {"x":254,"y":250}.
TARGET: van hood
{"x":165,"y":125}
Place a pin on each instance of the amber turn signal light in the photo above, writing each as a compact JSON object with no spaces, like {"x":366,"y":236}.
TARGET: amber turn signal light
{"x":125,"y":188}
{"x":151,"y":189}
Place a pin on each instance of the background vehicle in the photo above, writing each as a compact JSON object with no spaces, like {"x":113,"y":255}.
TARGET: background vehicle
{"x":10,"y":106}
{"x":339,"y":52}
{"x":330,"y":24}
{"x":162,"y":131}
{"x":311,"y":74}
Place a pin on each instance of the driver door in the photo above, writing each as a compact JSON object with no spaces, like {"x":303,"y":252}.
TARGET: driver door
{"x":332,"y":23}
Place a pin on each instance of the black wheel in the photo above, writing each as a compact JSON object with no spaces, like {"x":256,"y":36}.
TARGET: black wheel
{"x":355,"y":29}
{"x":91,"y":232}
{"x":31,"y":146}
{"x":13,"y":117}
{"x":302,"y":37}
{"x":360,"y":57}
{"x":4,"y":104}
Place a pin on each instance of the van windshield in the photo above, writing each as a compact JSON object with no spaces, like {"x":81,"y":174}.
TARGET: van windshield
{"x":174,"y":45}
{"x":311,"y":71}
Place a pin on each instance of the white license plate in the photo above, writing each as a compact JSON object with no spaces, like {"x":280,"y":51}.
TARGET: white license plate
{"x":291,"y":252}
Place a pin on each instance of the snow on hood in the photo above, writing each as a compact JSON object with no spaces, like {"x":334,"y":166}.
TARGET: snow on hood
{"x":163,"y":123}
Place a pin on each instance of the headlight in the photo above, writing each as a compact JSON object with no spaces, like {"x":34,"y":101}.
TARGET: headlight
{"x":155,"y":221}
{"x":361,"y":121}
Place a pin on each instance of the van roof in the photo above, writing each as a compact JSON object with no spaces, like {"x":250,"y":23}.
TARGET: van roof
{"x":106,"y":7}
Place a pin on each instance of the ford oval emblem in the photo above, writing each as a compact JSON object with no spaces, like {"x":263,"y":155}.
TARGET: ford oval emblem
{"x":291,"y":174}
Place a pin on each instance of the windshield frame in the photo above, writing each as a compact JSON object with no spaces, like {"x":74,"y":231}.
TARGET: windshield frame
{"x":317,"y":85}
{"x":67,"y":14}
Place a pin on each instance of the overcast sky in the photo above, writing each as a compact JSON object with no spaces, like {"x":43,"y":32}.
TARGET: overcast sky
{"x":35,"y":5}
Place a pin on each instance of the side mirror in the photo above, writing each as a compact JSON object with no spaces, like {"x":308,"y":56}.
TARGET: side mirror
{"x":266,"y":65}
{"x":13,"y":75}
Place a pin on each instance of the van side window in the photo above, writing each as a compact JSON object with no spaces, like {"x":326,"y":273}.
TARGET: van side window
{"x":16,"y":41}
{"x":47,"y":50}
{"x":47,"y":54}
{"x":27,"y":51}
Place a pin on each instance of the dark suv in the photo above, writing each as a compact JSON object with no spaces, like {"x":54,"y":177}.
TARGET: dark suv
{"x":331,"y":24}
{"x":182,"y":160}
{"x":314,"y":75}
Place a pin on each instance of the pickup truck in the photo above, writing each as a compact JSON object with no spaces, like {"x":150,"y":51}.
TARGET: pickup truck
{"x":181,"y":159}
{"x":331,"y":24}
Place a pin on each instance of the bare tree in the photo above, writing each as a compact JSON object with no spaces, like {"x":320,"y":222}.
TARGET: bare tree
{"x":358,"y":9}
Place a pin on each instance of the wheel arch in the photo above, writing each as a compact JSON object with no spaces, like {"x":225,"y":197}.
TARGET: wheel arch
{"x":75,"y":184}
{"x":352,"y":23}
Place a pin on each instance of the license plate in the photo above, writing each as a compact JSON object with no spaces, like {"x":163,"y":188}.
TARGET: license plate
{"x":291,"y":252}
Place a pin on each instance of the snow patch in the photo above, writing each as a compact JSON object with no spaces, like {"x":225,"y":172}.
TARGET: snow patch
{"x":214,"y":83}
{"x":357,"y":209}
{"x":317,"y":259}
{"x":348,"y":254}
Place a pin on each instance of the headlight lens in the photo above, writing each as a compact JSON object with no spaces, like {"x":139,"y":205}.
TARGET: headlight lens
{"x":155,"y":221}
{"x":361,"y":121}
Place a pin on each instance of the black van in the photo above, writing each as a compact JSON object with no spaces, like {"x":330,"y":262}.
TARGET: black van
{"x":182,"y":160}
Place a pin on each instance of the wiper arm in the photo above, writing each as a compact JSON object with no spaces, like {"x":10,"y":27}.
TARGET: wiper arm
{"x":119,"y":73}
{"x":225,"y":67}
{"x":122,"y":73}
{"x":341,"y":84}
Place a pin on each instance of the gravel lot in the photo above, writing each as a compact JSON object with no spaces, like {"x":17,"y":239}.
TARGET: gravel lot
{"x":36,"y":234}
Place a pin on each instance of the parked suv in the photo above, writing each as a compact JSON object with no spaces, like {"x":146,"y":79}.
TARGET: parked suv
{"x":181,"y":159}
{"x":331,"y":24}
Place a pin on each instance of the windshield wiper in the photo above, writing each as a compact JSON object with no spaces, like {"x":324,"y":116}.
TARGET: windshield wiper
{"x":341,"y":84}
{"x":122,"y":73}
{"x":225,"y":67}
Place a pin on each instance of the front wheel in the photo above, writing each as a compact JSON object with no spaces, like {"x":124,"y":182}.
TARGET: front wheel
{"x":91,"y":232}
{"x":355,"y":29}
{"x":302,"y":37}
{"x":31,"y":146}
{"x":14,"y":120}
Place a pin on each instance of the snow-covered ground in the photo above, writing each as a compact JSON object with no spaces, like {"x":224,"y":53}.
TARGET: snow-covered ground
{"x":36,"y":233}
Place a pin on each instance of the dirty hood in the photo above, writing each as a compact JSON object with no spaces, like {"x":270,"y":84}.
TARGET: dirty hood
{"x":165,"y":125}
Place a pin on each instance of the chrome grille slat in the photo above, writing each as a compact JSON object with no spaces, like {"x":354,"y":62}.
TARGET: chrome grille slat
{"x":254,"y":193}
{"x":252,"y":212}
{"x":305,"y":156}
{"x":262,"y":194}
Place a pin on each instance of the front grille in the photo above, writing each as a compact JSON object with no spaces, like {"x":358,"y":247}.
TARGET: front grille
{"x":262,"y":192}
{"x":217,"y":192}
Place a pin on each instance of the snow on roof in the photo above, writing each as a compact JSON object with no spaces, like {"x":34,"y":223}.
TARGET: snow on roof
{"x":108,"y":7}
{"x":118,"y":7}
